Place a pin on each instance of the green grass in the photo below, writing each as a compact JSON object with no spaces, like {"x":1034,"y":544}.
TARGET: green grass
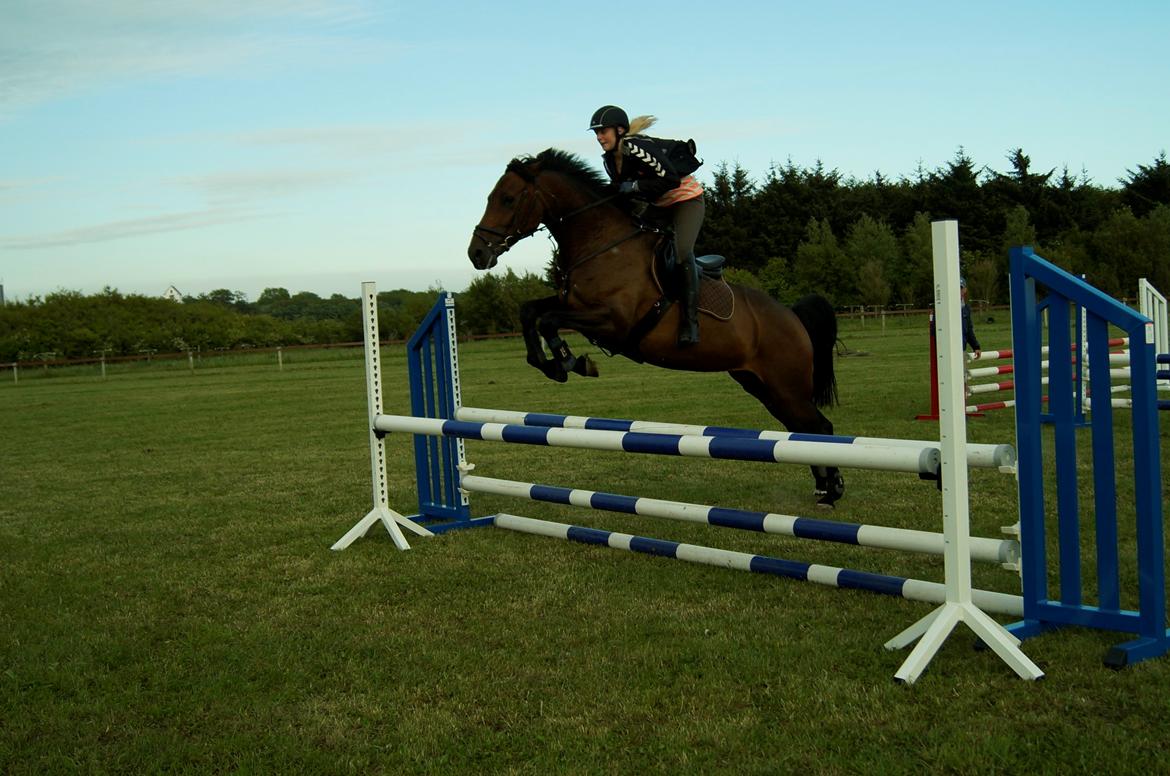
{"x":168,"y":601}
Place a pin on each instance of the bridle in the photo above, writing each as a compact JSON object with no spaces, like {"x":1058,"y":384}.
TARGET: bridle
{"x":512,"y":233}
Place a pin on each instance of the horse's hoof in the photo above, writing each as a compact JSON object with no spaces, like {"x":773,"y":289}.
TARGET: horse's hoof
{"x":553,"y":371}
{"x":829,"y":491}
{"x":590,"y":366}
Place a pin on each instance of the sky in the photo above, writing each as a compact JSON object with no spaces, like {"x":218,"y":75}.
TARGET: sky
{"x":310,"y":145}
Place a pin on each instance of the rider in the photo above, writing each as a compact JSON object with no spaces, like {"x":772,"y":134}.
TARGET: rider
{"x":640,"y":168}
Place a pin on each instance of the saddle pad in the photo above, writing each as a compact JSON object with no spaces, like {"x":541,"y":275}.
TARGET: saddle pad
{"x":715,"y":298}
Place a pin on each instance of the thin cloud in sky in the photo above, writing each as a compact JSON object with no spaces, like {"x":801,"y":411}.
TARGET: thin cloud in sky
{"x":226,"y":188}
{"x":118,"y":230}
{"x":9,"y":185}
{"x":409,"y":145}
{"x":405,"y":138}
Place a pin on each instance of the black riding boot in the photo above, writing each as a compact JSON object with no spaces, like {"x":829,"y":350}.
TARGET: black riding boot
{"x":688,"y":323}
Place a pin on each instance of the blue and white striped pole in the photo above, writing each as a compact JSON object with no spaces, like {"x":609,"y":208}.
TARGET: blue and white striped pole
{"x":917,"y":460}
{"x":987,"y":456}
{"x":1002,"y":551}
{"x":911,"y":589}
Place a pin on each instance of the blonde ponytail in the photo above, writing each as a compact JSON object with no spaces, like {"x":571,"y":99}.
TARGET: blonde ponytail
{"x":640,"y":124}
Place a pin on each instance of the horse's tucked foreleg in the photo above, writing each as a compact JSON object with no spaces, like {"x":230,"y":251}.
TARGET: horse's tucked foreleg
{"x":582,"y":365}
{"x":588,"y":322}
{"x":531,"y":314}
{"x":543,"y":319}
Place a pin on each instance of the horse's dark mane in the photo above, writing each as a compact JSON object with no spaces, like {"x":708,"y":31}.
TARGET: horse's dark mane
{"x":569,"y":164}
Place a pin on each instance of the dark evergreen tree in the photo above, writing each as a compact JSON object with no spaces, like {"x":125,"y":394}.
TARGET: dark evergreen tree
{"x":731,"y":227}
{"x":1148,"y":187}
{"x":954,"y":193}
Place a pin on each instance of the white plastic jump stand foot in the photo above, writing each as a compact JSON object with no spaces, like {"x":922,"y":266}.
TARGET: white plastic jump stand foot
{"x":388,"y":518}
{"x":932,"y":630}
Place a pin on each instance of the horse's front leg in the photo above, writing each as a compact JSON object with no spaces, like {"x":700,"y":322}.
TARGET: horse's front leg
{"x":549,"y":327}
{"x":595,"y":323}
{"x":531,"y":315}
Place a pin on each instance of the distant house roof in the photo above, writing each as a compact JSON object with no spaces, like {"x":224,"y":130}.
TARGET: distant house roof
{"x":173,"y":294}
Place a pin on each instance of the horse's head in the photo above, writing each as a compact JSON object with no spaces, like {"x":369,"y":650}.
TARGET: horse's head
{"x":515,"y":209}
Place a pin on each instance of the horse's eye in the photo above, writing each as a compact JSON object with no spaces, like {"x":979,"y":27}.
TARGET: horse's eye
{"x":507,"y":200}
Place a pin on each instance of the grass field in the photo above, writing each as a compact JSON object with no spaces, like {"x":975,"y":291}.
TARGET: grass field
{"x":169,"y":602}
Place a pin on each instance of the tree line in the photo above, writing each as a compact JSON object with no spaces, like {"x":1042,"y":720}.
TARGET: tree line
{"x":792,"y":231}
{"x":803,"y":229}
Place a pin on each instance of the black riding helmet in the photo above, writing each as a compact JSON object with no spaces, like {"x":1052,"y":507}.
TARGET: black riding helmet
{"x":609,"y":116}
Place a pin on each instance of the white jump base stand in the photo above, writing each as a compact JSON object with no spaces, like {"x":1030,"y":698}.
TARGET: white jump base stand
{"x":932,"y":631}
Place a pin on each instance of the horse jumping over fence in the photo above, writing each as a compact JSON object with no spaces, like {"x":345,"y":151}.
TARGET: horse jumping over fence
{"x":608,"y":290}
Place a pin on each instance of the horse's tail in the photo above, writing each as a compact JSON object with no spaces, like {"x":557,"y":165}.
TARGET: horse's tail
{"x":820,"y":321}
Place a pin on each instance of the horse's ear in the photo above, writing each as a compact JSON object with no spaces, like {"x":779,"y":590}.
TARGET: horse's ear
{"x":524,"y":167}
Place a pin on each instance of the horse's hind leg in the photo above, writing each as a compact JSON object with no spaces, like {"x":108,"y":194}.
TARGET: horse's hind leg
{"x":798,"y":415}
{"x":830,"y":485}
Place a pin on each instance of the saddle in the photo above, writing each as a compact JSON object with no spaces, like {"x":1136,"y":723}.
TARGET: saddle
{"x":715,"y":298}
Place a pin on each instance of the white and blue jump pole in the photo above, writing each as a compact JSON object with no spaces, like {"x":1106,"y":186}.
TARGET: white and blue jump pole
{"x":922,"y":460}
{"x":910,"y":589}
{"x":988,"y":456}
{"x":1002,"y":551}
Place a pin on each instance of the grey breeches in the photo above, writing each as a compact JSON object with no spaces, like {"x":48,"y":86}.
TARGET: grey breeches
{"x":688,"y":219}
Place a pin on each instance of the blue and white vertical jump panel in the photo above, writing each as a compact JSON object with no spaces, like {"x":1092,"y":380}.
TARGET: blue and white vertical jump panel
{"x":1037,"y":284}
{"x":432,"y":355}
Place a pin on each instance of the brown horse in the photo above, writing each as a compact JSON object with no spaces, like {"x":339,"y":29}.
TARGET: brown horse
{"x":607,"y":290}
